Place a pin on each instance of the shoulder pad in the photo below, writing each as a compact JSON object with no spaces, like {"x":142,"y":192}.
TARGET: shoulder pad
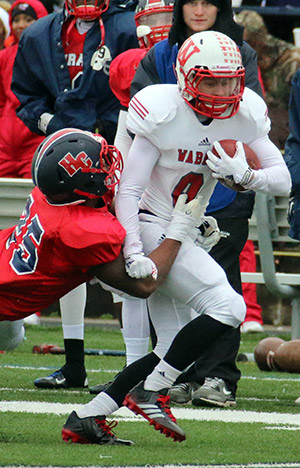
{"x":254,"y":108}
{"x":151,"y":107}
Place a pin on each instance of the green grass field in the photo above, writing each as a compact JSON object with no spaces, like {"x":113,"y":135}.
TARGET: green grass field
{"x":264,"y":427}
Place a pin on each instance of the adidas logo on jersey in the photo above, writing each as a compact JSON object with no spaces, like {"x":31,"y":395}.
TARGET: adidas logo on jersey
{"x":162,"y":238}
{"x":204,"y":142}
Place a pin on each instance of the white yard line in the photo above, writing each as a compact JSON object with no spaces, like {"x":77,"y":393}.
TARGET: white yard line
{"x":275,"y":378}
{"x":233,"y":416}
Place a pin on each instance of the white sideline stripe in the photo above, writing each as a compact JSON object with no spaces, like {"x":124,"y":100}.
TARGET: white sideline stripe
{"x":51,"y":368}
{"x":125,"y":414}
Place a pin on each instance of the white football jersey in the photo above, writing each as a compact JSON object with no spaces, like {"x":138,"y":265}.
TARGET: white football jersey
{"x":160,"y":114}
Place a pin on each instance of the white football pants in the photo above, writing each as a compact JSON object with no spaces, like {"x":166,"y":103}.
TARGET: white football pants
{"x":195,"y":283}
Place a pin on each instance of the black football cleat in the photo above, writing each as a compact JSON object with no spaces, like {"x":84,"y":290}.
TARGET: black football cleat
{"x":154,"y":406}
{"x":91,"y":430}
{"x":57,"y":380}
{"x":102,"y":387}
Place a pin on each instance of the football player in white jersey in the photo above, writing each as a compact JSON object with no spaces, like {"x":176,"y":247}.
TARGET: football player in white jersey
{"x":175,"y":129}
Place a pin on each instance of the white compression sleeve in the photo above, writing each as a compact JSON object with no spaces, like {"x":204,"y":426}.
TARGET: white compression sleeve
{"x":123,"y":140}
{"x":72,"y":307}
{"x":136,"y":330}
{"x":274,"y":177}
{"x":135,"y":179}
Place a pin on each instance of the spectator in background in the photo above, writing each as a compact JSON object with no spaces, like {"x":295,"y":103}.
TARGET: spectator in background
{"x":281,"y":26}
{"x":292,"y":156}
{"x":17,"y":142}
{"x":253,"y":321}
{"x":4,"y":26}
{"x":61,"y":79}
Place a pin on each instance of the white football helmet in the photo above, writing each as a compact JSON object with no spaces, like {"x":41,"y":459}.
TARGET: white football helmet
{"x":153,"y":20}
{"x":210,"y":55}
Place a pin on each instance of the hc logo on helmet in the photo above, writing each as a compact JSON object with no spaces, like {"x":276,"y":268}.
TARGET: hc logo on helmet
{"x":73,"y":164}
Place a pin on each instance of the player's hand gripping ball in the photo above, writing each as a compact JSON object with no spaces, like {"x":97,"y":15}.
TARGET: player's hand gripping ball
{"x":236,"y":172}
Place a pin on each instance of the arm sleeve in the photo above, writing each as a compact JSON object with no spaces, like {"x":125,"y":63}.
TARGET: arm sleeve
{"x":292,"y":146}
{"x":273,"y":178}
{"x":146,"y":73}
{"x":142,"y":158}
{"x":123,"y":140}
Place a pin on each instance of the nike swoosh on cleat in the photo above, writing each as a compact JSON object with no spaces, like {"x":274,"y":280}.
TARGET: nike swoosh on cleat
{"x":60,"y":381}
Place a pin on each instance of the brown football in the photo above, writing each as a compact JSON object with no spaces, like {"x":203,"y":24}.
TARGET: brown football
{"x":264,"y":353}
{"x":251,"y":156}
{"x":287,"y":356}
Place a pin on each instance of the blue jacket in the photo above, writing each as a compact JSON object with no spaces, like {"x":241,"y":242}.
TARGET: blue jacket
{"x":41,"y":79}
{"x":292,"y":154}
{"x":158,"y":67}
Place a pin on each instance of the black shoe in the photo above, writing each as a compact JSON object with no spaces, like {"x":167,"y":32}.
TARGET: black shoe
{"x":99,"y":388}
{"x":58,"y":380}
{"x":154,"y":406}
{"x":102,"y":387}
{"x":91,"y":430}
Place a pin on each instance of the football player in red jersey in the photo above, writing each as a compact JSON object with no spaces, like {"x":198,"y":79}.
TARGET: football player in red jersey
{"x":67,"y":235}
{"x":67,"y":86}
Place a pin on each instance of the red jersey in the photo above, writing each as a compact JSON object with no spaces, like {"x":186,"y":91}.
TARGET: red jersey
{"x":50,"y":252}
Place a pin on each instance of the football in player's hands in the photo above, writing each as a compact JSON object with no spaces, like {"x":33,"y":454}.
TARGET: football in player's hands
{"x":252,"y":160}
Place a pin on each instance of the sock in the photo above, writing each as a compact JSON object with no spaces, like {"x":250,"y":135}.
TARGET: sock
{"x":131,"y":376}
{"x":73,"y":331}
{"x":101,"y":405}
{"x":163,"y":376}
{"x":74,"y":369}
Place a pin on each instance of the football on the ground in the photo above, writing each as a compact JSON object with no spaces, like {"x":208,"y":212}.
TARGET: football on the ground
{"x":251,"y":156}
{"x":264,"y":353}
{"x":287,"y":356}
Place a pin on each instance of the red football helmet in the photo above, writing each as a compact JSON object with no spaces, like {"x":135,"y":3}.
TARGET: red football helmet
{"x":153,"y":20}
{"x":86,"y":9}
{"x":210,"y":56}
{"x":74,"y":165}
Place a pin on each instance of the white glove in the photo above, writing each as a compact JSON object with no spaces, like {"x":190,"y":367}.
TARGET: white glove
{"x":185,"y":217}
{"x":137,"y":265}
{"x":208,"y":234}
{"x":235,"y":169}
{"x":44,"y":121}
